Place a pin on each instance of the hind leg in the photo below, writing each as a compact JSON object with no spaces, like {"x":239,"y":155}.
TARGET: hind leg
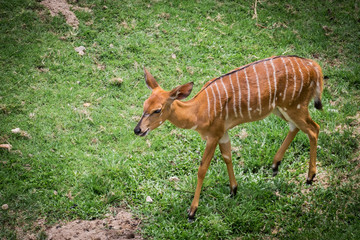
{"x":313,"y":133}
{"x":280,"y":153}
{"x":302,"y":120}
{"x":284,"y":146}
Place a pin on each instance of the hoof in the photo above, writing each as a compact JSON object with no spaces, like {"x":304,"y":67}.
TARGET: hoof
{"x":275,"y":168}
{"x":191,"y":220}
{"x":310,"y":181}
{"x":191,"y":216}
{"x":233,"y":191}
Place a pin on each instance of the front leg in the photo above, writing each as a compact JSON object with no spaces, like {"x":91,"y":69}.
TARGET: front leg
{"x":225,"y":148}
{"x":204,"y":166}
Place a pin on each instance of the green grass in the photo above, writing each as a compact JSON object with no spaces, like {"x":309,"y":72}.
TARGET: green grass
{"x":93,"y":153}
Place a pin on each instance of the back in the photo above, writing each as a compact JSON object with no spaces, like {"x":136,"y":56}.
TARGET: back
{"x":253,"y":91}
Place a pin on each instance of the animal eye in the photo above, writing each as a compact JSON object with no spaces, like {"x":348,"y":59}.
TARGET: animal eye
{"x":157,"y":111}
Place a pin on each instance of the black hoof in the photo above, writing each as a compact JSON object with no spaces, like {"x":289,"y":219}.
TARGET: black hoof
{"x":191,"y":216}
{"x":233,"y":191}
{"x":310,"y":181}
{"x":275,"y":168}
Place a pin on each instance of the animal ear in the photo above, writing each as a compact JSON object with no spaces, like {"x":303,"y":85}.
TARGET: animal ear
{"x":150,"y":80}
{"x":181,"y":92}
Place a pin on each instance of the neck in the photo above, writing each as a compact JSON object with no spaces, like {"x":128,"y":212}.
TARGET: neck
{"x":183,"y":114}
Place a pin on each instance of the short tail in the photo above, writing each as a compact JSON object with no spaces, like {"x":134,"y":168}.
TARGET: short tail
{"x":317,"y":103}
{"x":319,"y":88}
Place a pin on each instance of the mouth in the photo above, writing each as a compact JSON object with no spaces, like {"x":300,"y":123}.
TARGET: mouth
{"x":146,"y":132}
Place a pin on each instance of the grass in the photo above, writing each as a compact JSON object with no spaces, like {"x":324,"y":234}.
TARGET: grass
{"x":83,"y":159}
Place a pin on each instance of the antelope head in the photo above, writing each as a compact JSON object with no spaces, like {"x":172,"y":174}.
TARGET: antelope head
{"x":157,"y":108}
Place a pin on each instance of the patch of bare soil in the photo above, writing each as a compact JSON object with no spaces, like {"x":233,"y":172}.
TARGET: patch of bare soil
{"x":61,"y":6}
{"x":120,"y":226}
{"x":355,"y":124}
{"x":322,"y":179}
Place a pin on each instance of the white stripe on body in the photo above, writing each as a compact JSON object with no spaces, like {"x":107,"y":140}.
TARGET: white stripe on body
{"x":227,"y":99}
{"x":248,"y":86}
{"x":302,"y":77}
{"x":239,"y":90}
{"x":220,"y":103}
{"x":274,"y":73}
{"x":307,"y":70}
{"x":294,"y":75}
{"x":268,"y":78}
{"x":234,"y":96}
{"x":214,"y":100}
{"x":208,"y":100}
{"x":258,"y":86}
{"x":287,"y":78}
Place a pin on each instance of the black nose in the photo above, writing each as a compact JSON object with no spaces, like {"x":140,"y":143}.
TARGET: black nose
{"x":137,"y":130}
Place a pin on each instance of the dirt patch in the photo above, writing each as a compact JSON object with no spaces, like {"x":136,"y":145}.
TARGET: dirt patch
{"x":61,"y":6}
{"x":120,"y":226}
{"x":26,"y":231}
{"x":355,"y":124}
{"x":322,"y":179}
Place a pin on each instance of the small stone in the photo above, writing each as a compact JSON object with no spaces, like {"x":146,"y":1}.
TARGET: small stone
{"x":80,"y":50}
{"x":149,"y":199}
{"x":21,"y":132}
{"x":174,"y":179}
{"x":16,"y":130}
{"x":116,"y":81}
